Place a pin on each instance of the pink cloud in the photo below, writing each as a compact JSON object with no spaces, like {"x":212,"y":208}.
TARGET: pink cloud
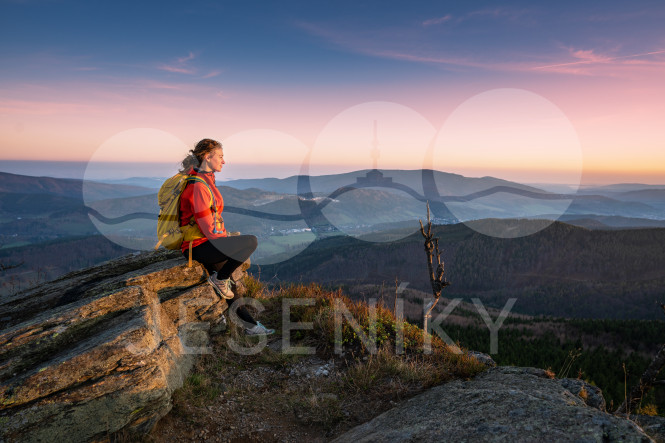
{"x":581,"y":62}
{"x":589,"y":56}
{"x":588,"y":62}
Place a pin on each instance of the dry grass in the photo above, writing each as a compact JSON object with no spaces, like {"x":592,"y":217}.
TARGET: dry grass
{"x":262,"y":388}
{"x":649,"y":409}
{"x":583,"y":393}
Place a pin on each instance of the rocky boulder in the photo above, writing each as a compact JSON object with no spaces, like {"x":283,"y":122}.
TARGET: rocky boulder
{"x":652,"y":425}
{"x":102,"y":349}
{"x":502,"y":404}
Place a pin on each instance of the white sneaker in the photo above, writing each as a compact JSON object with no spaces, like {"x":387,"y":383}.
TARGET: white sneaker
{"x":222,"y":287}
{"x":259,"y":329}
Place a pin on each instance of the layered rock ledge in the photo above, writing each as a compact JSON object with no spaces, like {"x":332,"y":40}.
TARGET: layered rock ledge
{"x":504,"y":404}
{"x":102,"y":349}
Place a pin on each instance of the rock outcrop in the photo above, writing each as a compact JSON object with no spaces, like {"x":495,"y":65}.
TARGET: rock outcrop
{"x":654,"y":426}
{"x":503,"y":404}
{"x":102,"y":349}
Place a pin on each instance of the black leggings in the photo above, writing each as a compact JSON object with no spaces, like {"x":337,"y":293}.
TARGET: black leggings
{"x":223,"y":256}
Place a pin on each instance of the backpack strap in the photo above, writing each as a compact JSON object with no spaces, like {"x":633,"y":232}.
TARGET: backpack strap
{"x":213,"y":202}
{"x":195,"y":179}
{"x":159,"y":243}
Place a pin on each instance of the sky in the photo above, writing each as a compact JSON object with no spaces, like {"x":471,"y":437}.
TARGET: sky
{"x":568,"y":92}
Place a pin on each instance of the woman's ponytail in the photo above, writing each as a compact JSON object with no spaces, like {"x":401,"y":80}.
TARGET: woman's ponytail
{"x":196,"y":155}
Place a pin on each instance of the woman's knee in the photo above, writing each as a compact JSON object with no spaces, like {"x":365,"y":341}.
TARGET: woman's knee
{"x":252,"y":242}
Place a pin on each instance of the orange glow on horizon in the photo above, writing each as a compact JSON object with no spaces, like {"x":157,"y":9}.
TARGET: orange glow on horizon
{"x":620,"y":131}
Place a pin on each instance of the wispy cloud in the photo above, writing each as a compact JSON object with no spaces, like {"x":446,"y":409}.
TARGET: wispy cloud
{"x":178,"y":69}
{"x":502,"y":14}
{"x":412,"y":45}
{"x":184,"y":65}
{"x":404,"y":48}
{"x":189,"y":57}
{"x":421,"y":58}
{"x":589,"y":58}
{"x":180,"y":65}
{"x":211,"y":74}
{"x":437,"y":21}
{"x":379,"y":46}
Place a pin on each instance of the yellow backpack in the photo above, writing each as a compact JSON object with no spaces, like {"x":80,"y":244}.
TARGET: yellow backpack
{"x":169,"y":231}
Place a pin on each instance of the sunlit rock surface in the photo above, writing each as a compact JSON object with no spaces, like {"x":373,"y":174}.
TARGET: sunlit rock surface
{"x":102,"y":349}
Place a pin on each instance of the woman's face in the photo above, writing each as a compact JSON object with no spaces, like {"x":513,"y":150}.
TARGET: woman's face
{"x":215,"y":159}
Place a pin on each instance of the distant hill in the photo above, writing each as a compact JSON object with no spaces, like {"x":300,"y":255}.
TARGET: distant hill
{"x":446,"y":183}
{"x":618,"y":187}
{"x":622,"y":200}
{"x":66,"y":187}
{"x":489,"y":197}
{"x":563,"y":271}
{"x":601,"y":205}
{"x":375,"y":205}
{"x":20,"y":204}
{"x":143,"y":182}
{"x":593,"y":221}
{"x":40,"y":209}
{"x":652,"y":197}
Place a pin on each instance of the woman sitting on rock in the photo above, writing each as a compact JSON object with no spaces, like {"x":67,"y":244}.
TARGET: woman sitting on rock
{"x":210,"y":244}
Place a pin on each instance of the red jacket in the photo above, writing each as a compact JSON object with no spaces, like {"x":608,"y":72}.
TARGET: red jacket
{"x":195,"y":202}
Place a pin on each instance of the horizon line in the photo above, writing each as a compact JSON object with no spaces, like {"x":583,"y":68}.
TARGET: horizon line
{"x":228,"y":179}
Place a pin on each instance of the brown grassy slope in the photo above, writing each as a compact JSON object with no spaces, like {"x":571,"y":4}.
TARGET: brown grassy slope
{"x":276,"y":396}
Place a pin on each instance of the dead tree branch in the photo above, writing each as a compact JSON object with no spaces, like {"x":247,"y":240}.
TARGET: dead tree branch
{"x":8,"y":266}
{"x":436,"y":278}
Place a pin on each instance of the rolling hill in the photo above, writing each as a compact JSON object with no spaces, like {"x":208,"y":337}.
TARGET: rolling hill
{"x":42,"y":209}
{"x":563,"y":270}
{"x":446,"y":183}
{"x":67,"y":187}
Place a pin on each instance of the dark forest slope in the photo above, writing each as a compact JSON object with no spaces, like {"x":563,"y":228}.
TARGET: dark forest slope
{"x":563,"y":271}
